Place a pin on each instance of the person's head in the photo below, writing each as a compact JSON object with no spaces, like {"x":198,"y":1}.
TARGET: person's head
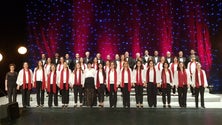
{"x":40,"y":64}
{"x":193,"y":58}
{"x":125,"y":64}
{"x":43,"y":56}
{"x":95,"y":60}
{"x":165,"y":65}
{"x":87,"y":53}
{"x":192,"y":52}
{"x":112,"y":65}
{"x":77,"y":66}
{"x":53,"y":67}
{"x":25,"y":65}
{"x":49,"y":60}
{"x":168,"y":54}
{"x":100,"y":66}
{"x":81,"y":60}
{"x":146,"y":52}
{"x":181,"y":66}
{"x":180,"y":53}
{"x":122,"y":57}
{"x":12,"y":67}
{"x":151,"y":63}
{"x":198,"y":66}
{"x":139,"y":64}
{"x":175,"y":59}
{"x":117,"y":56}
{"x":162,"y":59}
{"x":61,"y":60}
{"x":137,"y":55}
{"x":67,"y":56}
{"x":89,"y":65}
{"x":126,"y":54}
{"x":108,"y":63}
{"x":98,"y":55}
{"x":156,"y":53}
{"x":108,"y":57}
{"x":77,"y":55}
{"x":65,"y":65}
{"x":56,"y":55}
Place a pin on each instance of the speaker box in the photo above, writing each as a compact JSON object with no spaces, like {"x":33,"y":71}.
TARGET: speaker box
{"x":9,"y":111}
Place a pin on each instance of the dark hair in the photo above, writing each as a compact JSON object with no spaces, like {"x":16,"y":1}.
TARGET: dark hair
{"x":141,"y":67}
{"x":150,"y":62}
{"x":11,"y":64}
{"x":178,"y":68}
{"x":113,"y":63}
{"x":51,"y":67}
{"x":76,"y":68}
{"x":38,"y":64}
{"x":89,"y":62}
{"x":165,"y":63}
{"x":98,"y":65}
{"x":103,"y":70}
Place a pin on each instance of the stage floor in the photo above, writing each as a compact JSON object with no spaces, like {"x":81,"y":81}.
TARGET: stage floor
{"x":118,"y":116}
{"x":211,"y":115}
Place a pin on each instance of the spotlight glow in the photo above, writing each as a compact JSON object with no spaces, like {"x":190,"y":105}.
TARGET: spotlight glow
{"x":1,"y":57}
{"x":22,"y":50}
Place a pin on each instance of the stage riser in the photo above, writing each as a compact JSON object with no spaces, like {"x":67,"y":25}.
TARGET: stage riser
{"x":174,"y":98}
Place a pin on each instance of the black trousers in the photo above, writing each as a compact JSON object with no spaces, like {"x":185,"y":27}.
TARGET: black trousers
{"x":192,"y":89}
{"x":89,"y":92}
{"x":25,"y":97}
{"x":101,"y":91}
{"x":152,"y":94}
{"x":182,"y":96}
{"x":126,"y":96}
{"x":65,"y":94}
{"x":166,"y":92}
{"x":12,"y":94}
{"x":201,"y":91}
{"x":174,"y":89}
{"x":139,"y":94}
{"x":51,"y":95}
{"x":77,"y":90}
{"x":112,"y":96}
{"x":39,"y":93}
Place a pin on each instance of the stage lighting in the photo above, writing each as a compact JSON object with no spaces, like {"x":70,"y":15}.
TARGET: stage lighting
{"x":1,"y":57}
{"x":22,"y":50}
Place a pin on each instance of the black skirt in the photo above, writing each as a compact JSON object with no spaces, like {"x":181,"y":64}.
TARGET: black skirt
{"x":89,"y":92}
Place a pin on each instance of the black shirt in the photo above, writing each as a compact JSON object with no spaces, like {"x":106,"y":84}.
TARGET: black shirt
{"x":11,"y":78}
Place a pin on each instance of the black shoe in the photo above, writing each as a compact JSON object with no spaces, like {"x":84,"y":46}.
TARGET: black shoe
{"x":164,"y":106}
{"x":169,"y":106}
{"x":38,"y":106}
